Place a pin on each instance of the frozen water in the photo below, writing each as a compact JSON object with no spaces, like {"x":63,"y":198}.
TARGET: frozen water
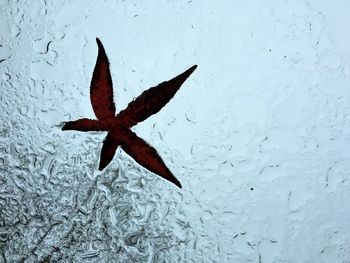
{"x":259,"y":135}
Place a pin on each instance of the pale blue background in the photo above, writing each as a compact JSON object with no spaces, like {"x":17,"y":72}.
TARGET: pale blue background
{"x":267,"y":109}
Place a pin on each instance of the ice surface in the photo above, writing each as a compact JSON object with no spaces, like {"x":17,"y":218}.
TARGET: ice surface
{"x":259,"y":135}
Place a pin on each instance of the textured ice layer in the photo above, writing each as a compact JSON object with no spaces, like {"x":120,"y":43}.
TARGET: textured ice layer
{"x":258,"y":136}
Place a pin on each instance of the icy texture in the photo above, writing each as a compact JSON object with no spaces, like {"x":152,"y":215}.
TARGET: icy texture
{"x":259,"y":135}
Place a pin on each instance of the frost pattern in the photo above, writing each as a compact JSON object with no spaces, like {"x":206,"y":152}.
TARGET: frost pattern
{"x":259,"y":135}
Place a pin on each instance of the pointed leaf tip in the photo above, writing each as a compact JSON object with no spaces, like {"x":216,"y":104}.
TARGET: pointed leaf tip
{"x":99,"y":43}
{"x":177,"y":183}
{"x":189,"y":71}
{"x":193,"y":68}
{"x":100,"y":168}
